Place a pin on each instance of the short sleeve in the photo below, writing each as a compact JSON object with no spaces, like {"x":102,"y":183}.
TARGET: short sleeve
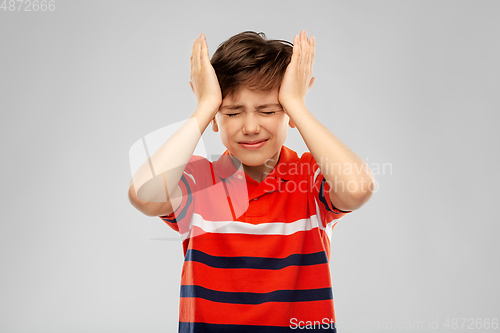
{"x":327,"y":212}
{"x":192,"y":180}
{"x":179,"y":220}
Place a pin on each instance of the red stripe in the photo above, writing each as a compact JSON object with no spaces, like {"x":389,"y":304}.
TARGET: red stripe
{"x":211,"y":202}
{"x":212,"y":173}
{"x":270,"y":314}
{"x":272,"y":246}
{"x":256,"y":280}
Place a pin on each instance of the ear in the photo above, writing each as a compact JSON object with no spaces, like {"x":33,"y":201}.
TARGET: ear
{"x":291,"y":123}
{"x":191,"y":84}
{"x":215,"y":127}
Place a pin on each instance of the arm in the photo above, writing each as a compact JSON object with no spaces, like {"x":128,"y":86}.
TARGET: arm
{"x":348,"y":191}
{"x":154,"y":188}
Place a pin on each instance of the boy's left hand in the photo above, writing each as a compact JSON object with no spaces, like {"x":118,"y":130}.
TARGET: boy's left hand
{"x":298,"y":76}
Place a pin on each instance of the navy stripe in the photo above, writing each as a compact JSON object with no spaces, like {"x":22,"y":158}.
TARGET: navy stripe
{"x":297,"y":259}
{"x":183,"y":213}
{"x":304,"y":295}
{"x":323,"y":199}
{"x":186,"y":327}
{"x":168,"y":220}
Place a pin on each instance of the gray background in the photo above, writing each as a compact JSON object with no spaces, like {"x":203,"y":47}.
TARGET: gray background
{"x":409,"y":83}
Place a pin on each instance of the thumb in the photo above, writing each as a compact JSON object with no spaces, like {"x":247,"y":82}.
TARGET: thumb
{"x":311,"y":83}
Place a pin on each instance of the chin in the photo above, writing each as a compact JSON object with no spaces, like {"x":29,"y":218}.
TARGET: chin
{"x":253,"y":162}
{"x":250,"y":161}
{"x":254,"y":159}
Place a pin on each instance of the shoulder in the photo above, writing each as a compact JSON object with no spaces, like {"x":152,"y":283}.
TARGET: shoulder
{"x":307,"y":162}
{"x":307,"y":158}
{"x":198,"y":170}
{"x":198,"y":163}
{"x":198,"y":159}
{"x":292,"y":156}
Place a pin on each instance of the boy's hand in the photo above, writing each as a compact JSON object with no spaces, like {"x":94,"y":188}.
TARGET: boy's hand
{"x":204,"y":81}
{"x":298,"y":76}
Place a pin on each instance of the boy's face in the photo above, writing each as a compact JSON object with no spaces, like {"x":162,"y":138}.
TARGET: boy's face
{"x":253,"y":126}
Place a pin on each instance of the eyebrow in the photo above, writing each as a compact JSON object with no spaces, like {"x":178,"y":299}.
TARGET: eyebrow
{"x":258,"y":107}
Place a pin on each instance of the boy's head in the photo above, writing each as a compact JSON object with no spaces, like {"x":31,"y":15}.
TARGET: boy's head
{"x":252,"y":124}
{"x":249,"y":60}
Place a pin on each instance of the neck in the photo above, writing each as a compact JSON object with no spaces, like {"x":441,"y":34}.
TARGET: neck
{"x":258,"y":172}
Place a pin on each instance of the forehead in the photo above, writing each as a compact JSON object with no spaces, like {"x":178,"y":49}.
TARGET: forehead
{"x":246,"y":97}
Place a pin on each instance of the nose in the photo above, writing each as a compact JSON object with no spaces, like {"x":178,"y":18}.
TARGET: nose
{"x":251,"y":125}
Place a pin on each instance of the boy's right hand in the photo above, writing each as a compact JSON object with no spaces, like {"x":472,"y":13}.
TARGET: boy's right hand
{"x":204,"y":81}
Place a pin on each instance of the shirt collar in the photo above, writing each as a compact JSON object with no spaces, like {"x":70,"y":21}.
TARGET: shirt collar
{"x":224,"y":166}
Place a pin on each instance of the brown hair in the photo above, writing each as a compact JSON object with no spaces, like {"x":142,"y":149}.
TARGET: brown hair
{"x":248,"y":59}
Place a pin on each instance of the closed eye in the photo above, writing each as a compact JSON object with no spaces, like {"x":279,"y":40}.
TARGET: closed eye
{"x":269,"y":112}
{"x":232,"y":114}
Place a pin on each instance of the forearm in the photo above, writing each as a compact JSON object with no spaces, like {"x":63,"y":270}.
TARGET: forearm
{"x":158,"y":177}
{"x":345,"y":171}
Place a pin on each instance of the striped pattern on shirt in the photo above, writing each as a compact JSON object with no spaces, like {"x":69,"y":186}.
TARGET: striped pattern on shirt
{"x":256,"y":254}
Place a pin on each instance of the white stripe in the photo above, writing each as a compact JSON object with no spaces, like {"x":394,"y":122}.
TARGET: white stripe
{"x":190,"y":175}
{"x":316,"y":174}
{"x":270,"y":228}
{"x":329,"y":226}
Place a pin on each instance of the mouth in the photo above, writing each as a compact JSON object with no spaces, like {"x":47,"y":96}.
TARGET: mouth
{"x":252,"y":144}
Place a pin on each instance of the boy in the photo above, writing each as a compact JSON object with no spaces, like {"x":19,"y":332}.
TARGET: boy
{"x":256,"y":223}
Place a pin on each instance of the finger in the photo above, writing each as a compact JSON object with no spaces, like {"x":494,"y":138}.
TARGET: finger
{"x":204,"y":49}
{"x":303,"y":39}
{"x":311,"y":83}
{"x":307,"y":48}
{"x":313,"y":46}
{"x":296,"y":46}
{"x":303,"y":48}
{"x":311,"y":42}
{"x":193,"y":54}
{"x":194,"y":45}
{"x":313,"y":50}
{"x":310,"y":52}
{"x":296,"y":50}
{"x":198,"y":54}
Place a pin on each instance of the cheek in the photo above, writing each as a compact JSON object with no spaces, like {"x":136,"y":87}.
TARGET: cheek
{"x":228,"y":128}
{"x":282,"y":124}
{"x":277,"y":126}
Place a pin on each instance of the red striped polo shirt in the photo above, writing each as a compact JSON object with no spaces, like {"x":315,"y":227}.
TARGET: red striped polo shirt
{"x":256,"y":254}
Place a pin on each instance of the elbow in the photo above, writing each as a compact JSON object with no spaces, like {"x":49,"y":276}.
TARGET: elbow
{"x":364,"y":193}
{"x":149,"y":207}
{"x":354,"y":197}
{"x":142,"y":206}
{"x":360,"y":198}
{"x":354,"y":202}
{"x":134,"y":200}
